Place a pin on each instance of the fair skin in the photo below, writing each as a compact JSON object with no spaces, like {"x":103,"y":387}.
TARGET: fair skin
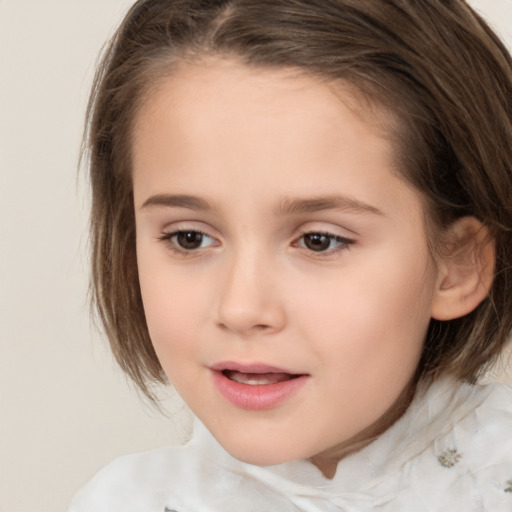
{"x":273,"y":233}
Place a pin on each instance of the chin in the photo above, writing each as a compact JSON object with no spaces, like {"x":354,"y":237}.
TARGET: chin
{"x":257,"y":457}
{"x":266,"y":450}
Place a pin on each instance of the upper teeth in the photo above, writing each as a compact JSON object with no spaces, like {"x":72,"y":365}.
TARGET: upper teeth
{"x":257,"y":379}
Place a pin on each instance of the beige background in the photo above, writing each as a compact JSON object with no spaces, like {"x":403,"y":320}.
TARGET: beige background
{"x":65,"y":410}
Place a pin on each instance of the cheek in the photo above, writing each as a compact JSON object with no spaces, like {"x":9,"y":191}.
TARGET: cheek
{"x":172,"y":320}
{"x":172,"y":305}
{"x":375,"y":315}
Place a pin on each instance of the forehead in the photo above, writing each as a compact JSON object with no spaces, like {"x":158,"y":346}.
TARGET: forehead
{"x":196,"y":88}
{"x":248,"y":128}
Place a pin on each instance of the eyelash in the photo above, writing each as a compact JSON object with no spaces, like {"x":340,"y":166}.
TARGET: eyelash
{"x":342,"y":242}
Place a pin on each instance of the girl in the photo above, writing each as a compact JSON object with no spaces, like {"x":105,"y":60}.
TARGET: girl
{"x":301,"y":219}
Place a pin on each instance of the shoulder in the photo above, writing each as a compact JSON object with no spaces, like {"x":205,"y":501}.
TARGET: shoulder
{"x":198,"y":476}
{"x":471,"y":460}
{"x":486,"y":421}
{"x":452,"y":450}
{"x":136,"y":482}
{"x":486,"y":438}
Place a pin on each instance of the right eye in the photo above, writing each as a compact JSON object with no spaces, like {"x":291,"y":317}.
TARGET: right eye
{"x":324,"y":243}
{"x":188,"y":240}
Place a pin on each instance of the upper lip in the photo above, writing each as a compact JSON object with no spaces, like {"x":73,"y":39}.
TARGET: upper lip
{"x":250,"y":368}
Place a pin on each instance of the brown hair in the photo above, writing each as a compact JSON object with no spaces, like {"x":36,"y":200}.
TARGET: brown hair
{"x":435,"y":64}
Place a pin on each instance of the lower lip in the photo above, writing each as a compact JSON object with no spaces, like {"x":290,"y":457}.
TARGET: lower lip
{"x":257,"y":397}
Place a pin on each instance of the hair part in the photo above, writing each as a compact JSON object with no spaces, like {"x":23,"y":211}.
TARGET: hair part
{"x":436,"y":65}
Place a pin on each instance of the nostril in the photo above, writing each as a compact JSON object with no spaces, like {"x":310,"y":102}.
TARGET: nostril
{"x":253,"y":328}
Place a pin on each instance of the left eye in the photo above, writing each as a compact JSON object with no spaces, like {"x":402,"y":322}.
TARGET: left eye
{"x":322,"y":242}
{"x":189,"y":240}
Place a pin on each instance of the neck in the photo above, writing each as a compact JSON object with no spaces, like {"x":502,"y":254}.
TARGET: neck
{"x":327,"y":462}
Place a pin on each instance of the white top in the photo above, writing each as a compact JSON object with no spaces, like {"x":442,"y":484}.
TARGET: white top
{"x":451,"y":451}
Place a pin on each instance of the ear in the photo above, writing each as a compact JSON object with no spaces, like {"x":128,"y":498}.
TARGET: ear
{"x":465,"y":269}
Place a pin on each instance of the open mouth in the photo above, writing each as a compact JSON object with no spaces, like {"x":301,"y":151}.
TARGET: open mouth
{"x":258,"y":379}
{"x":256,"y":386}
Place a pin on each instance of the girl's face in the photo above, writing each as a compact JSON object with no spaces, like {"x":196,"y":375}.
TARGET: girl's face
{"x":284,"y":266}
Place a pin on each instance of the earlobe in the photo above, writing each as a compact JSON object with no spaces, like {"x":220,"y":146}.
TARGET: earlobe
{"x":465,"y":270}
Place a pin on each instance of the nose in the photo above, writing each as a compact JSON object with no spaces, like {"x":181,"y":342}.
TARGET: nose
{"x":249,"y":300}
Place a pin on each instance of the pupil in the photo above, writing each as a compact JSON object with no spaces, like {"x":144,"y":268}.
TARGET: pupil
{"x":190,"y":239}
{"x":317,"y":242}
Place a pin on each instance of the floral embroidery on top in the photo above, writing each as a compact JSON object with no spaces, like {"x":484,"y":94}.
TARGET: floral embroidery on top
{"x":449,"y":458}
{"x":509,"y":486}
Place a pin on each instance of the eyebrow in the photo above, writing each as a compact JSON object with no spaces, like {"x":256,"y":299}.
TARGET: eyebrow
{"x":177,"y":201}
{"x":315,"y":204}
{"x":286,"y":207}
